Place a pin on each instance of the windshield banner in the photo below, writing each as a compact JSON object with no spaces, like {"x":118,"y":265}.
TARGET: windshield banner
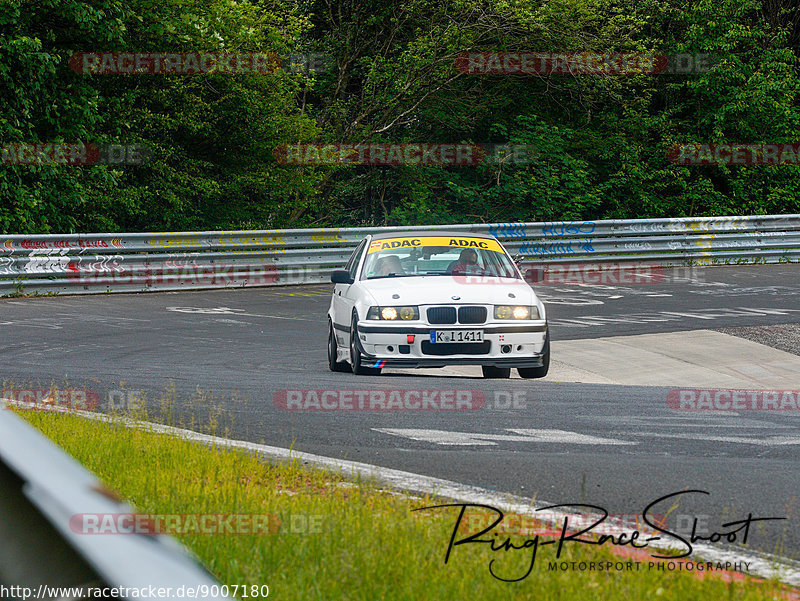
{"x":438,"y":241}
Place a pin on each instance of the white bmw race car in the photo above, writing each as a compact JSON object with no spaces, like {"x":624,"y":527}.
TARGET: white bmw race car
{"x":430,"y":299}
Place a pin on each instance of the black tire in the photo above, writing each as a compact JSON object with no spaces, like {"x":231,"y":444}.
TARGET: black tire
{"x":333,"y":364}
{"x":355,"y":354}
{"x":490,"y":371}
{"x":538,"y":372}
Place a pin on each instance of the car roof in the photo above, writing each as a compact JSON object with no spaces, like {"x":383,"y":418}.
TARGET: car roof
{"x":417,"y":234}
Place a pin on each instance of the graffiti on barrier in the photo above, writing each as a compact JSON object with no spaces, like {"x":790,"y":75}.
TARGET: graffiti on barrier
{"x":571,"y":247}
{"x":507,"y":230}
{"x":62,"y":246}
{"x":223,"y":241}
{"x":263,"y":240}
{"x":568,"y":228}
{"x":328,"y":237}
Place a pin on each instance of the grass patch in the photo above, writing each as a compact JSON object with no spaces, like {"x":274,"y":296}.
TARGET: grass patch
{"x":370,"y":545}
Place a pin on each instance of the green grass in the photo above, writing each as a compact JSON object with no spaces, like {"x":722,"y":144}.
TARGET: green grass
{"x":371,"y":545}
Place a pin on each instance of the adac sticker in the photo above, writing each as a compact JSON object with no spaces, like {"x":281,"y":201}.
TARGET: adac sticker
{"x":439,"y":241}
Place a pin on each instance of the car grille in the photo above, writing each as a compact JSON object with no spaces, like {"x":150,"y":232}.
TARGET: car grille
{"x":455,"y":348}
{"x":471,"y":314}
{"x":446,"y":315}
{"x":441,"y":315}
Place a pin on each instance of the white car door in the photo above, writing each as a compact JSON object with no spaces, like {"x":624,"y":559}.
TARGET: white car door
{"x":344,"y":294}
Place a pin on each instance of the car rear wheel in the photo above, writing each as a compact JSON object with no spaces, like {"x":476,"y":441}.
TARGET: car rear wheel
{"x":355,"y":354}
{"x":491,"y":371}
{"x":333,"y":363}
{"x":538,"y":372}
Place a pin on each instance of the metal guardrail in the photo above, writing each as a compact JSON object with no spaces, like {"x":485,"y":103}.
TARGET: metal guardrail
{"x":41,"y":490}
{"x":94,"y":263}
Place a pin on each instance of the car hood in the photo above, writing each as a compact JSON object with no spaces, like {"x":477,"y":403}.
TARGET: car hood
{"x":441,"y":289}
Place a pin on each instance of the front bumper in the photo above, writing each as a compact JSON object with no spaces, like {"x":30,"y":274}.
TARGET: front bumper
{"x":505,"y":345}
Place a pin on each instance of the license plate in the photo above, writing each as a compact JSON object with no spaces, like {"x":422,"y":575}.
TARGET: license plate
{"x":456,"y":335}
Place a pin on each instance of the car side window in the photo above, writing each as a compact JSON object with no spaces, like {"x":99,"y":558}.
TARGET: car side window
{"x":352,"y":264}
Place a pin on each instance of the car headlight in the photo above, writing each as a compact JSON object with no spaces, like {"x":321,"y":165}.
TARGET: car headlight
{"x":516,"y":312}
{"x":393,"y":313}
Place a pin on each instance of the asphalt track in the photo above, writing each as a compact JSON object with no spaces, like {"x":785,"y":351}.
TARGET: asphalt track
{"x":218,"y":358}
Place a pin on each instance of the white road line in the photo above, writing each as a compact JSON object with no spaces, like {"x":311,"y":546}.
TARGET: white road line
{"x":27,"y":323}
{"x":448,"y":438}
{"x":451,"y":438}
{"x":772,"y":441}
{"x":721,"y":419}
{"x":563,"y":436}
{"x":761,"y":565}
{"x":229,"y":311}
{"x":444,"y":437}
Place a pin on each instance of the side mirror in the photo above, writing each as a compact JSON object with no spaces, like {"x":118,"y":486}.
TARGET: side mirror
{"x":532,"y":276}
{"x":341,"y":276}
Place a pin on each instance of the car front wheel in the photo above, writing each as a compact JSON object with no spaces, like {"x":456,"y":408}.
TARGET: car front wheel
{"x":355,"y":354}
{"x":333,"y":363}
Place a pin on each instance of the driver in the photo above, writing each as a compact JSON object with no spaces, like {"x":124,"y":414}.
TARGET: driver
{"x":390,"y":265}
{"x":467,"y":262}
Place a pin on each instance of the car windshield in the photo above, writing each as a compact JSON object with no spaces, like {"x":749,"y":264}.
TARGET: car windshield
{"x":437,"y":255}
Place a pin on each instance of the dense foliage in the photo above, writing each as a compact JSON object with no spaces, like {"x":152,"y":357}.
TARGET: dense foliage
{"x":601,"y":140}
